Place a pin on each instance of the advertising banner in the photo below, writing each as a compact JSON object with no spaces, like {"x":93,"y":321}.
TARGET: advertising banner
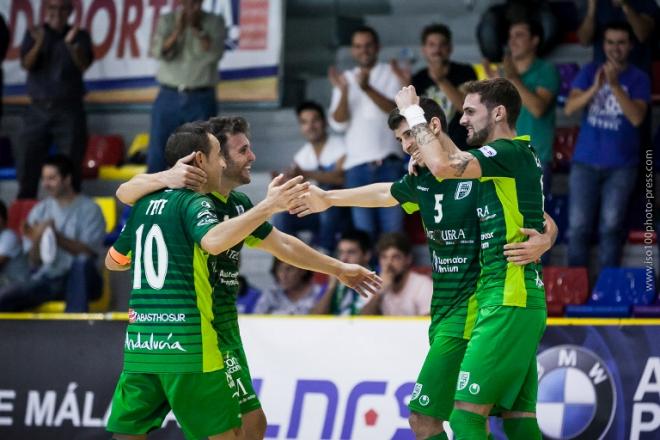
{"x":331,"y":378}
{"x":123,"y":70}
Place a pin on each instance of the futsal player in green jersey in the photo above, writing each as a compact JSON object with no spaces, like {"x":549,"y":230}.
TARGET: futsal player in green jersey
{"x":172,"y":358}
{"x":499,"y":366}
{"x":448,"y":209}
{"x":232,"y":133}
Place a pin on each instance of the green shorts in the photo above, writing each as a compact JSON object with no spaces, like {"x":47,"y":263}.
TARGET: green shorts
{"x":204,"y":404}
{"x":499,"y":366}
{"x":236,"y":365}
{"x":433,"y":394}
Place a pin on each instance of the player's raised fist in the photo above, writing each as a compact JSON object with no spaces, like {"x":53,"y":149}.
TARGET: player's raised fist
{"x":406,"y":97}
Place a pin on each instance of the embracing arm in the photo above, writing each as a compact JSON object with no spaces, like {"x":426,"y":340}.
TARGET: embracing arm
{"x":376,"y":195}
{"x":442,"y":157}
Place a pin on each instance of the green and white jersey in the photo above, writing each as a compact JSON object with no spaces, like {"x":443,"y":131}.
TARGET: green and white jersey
{"x":171,"y":309}
{"x":510,"y":198}
{"x":227,"y":265}
{"x":448,"y":210}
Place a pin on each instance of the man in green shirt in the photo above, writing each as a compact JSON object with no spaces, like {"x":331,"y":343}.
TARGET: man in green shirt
{"x":499,"y":366}
{"x":172,"y":358}
{"x":232,"y":133}
{"x":448,"y":209}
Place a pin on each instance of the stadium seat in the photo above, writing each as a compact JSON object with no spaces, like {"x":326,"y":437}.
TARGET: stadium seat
{"x":557,"y":206}
{"x":563,"y":147}
{"x":100,"y":305}
{"x":124,"y":172}
{"x":102,"y":150}
{"x":137,"y":152}
{"x":563,"y":286}
{"x":567,"y":73}
{"x":18,"y":213}
{"x":650,"y":311}
{"x":616,"y":291}
{"x":108,"y":207}
{"x":637,"y":237}
{"x":111,"y":237}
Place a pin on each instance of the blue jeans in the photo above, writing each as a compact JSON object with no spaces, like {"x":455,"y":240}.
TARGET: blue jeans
{"x":589,"y":186}
{"x":171,"y":109}
{"x":376,"y":221}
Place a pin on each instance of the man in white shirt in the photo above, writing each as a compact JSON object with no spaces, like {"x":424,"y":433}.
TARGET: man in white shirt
{"x":321,"y":159}
{"x":361,"y":100}
{"x":404,"y":292}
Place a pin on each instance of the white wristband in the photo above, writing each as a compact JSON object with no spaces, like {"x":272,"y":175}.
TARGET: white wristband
{"x":414,"y":115}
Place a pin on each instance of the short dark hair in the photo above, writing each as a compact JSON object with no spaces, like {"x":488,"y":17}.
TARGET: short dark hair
{"x":497,"y":91}
{"x":396,"y":240}
{"x":431,"y":110}
{"x":189,"y":137}
{"x":535,"y":27}
{"x":358,"y":236}
{"x":619,"y":26}
{"x":3,"y":212}
{"x":367,"y":30}
{"x":65,"y":168}
{"x":310,"y":105}
{"x":436,"y":28}
{"x":224,"y":126}
{"x":276,"y":263}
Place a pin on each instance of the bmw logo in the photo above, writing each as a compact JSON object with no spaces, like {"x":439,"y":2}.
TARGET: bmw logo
{"x":576,"y":399}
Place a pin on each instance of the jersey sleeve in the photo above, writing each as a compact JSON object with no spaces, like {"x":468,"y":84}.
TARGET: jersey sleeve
{"x":262,"y":230}
{"x":500,"y":159}
{"x":404,"y":192}
{"x":199,"y":217}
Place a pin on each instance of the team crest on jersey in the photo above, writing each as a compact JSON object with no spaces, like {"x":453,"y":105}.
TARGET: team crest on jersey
{"x":463,"y":379}
{"x":240,"y":209}
{"x":206,"y":204}
{"x":416,"y":391}
{"x":462,"y":190}
{"x":488,"y":151}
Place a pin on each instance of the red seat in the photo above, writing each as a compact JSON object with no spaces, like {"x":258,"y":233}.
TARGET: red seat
{"x":565,"y":285}
{"x":18,"y":213}
{"x":641,"y":237}
{"x":320,"y":278}
{"x":564,"y":145}
{"x":102,"y":150}
{"x":414,"y":228}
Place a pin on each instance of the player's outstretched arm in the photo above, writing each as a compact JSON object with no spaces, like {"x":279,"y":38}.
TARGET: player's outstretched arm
{"x":293,"y":251}
{"x":230,"y":232}
{"x":116,"y":262}
{"x":181,"y":175}
{"x":376,"y":195}
{"x":440,"y":154}
{"x":536,"y":245}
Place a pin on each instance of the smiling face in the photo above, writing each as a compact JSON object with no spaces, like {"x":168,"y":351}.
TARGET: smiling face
{"x":312,"y":126}
{"x":53,"y":183}
{"x":617,"y":46}
{"x":364,"y":49}
{"x":477,"y":120}
{"x":436,"y":48}
{"x":239,"y":158}
{"x":408,"y":143}
{"x":521,"y":41}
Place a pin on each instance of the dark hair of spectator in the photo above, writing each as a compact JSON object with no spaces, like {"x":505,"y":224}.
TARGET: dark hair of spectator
{"x":394,"y":240}
{"x":436,"y":28}
{"x":224,"y":126}
{"x":619,"y":26}
{"x":358,"y":236}
{"x":276,"y":263}
{"x":431,"y":110}
{"x":65,"y":169}
{"x":310,"y":105}
{"x":3,"y":212}
{"x":535,"y":28}
{"x":367,"y":30}
{"x":497,"y":91}
{"x":189,"y":137}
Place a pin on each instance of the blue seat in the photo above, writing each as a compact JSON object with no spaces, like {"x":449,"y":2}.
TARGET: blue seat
{"x":557,"y":206}
{"x":7,"y":173}
{"x":616,"y":292}
{"x":112,"y":236}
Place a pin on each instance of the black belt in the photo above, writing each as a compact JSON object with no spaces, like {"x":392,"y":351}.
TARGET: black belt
{"x":184,"y":89}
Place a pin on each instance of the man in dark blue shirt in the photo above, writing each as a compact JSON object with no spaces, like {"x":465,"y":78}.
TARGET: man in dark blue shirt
{"x":55,"y":56}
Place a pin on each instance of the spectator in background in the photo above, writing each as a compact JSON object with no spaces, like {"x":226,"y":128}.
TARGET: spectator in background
{"x":404,"y":292}
{"x":354,"y":247}
{"x":538,"y":82}
{"x":361,"y":100}
{"x":188,"y":43}
{"x":13,"y":265}
{"x":247,"y":296}
{"x":441,"y":80}
{"x":4,"y":45}
{"x":64,"y":268}
{"x":615,"y":96}
{"x":295,"y":294}
{"x":55,"y":56}
{"x":639,"y":14}
{"x":321,"y":159}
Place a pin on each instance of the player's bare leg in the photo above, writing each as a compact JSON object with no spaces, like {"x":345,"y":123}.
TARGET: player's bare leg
{"x":129,"y":437}
{"x":254,"y":425}
{"x":232,"y":434}
{"x":426,"y":427}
